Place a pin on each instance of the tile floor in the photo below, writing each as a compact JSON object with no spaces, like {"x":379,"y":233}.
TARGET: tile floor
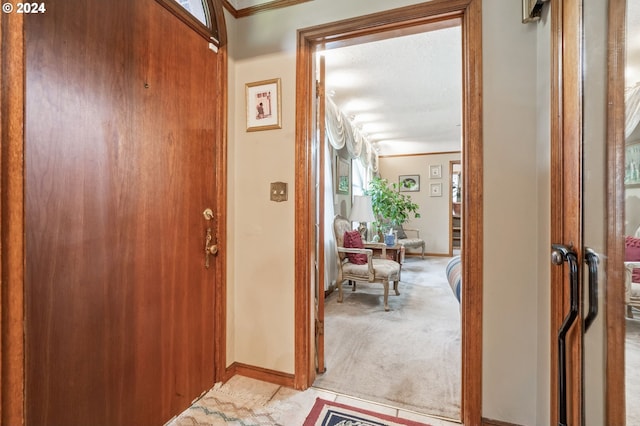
{"x":243,"y":401}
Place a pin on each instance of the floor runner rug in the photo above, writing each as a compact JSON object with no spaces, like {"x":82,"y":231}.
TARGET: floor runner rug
{"x":327,"y":413}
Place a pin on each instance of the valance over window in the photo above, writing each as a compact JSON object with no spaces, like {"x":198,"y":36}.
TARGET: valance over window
{"x":341,"y":132}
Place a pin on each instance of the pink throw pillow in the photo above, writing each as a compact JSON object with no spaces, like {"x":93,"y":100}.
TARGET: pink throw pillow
{"x":631,"y":241}
{"x":631,"y":249}
{"x":632,"y":254}
{"x":635,"y":275}
{"x":352,"y":239}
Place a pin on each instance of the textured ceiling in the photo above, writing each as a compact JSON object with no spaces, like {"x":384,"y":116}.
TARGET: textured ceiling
{"x":404,"y":93}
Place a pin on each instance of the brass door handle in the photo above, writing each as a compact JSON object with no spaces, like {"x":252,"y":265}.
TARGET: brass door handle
{"x":210,"y":249}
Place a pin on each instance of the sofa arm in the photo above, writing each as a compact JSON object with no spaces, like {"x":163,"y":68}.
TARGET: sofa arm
{"x":628,"y":273}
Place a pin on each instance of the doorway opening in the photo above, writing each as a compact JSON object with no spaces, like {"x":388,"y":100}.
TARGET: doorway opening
{"x":413,"y":19}
{"x":395,"y":121}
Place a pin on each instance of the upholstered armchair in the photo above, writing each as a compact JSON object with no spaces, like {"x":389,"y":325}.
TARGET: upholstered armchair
{"x":407,"y":241}
{"x":358,"y":263}
{"x":631,"y":280}
{"x":631,"y":287}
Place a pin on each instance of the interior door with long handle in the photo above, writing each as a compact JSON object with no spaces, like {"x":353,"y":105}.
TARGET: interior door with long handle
{"x":566,"y":320}
{"x":578,"y":210}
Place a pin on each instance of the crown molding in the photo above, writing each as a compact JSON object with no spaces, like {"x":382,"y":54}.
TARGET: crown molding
{"x":248,"y":11}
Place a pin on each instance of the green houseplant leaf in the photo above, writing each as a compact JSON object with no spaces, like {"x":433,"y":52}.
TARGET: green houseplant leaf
{"x":390,"y":206}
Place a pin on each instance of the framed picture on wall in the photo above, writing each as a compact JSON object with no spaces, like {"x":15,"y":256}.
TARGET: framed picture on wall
{"x":263,"y":105}
{"x":343,"y":176}
{"x":632,"y":165}
{"x":435,"y":171}
{"x":408,"y":183}
{"x":435,"y":189}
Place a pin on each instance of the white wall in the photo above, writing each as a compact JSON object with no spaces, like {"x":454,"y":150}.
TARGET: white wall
{"x":261,"y":249}
{"x":260,"y":261}
{"x":434,"y":221}
{"x":510,"y":215}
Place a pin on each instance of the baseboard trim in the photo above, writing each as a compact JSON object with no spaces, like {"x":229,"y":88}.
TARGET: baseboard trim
{"x":491,"y":422}
{"x":426,"y":254}
{"x":259,"y":373}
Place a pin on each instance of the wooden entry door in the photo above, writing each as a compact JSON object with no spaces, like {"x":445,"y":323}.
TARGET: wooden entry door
{"x":120,"y":158}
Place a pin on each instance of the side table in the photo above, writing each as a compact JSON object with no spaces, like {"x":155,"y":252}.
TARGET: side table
{"x":394,"y":252}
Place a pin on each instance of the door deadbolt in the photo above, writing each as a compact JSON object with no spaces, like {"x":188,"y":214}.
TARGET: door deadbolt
{"x":208,"y":214}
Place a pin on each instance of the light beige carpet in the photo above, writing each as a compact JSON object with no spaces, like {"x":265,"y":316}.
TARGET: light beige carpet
{"x":632,"y":368}
{"x":409,"y":357}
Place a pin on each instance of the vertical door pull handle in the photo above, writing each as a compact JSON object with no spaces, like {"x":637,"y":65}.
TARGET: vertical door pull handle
{"x":561,"y":254}
{"x":591,"y":258}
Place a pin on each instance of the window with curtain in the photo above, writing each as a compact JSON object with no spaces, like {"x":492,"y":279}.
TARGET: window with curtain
{"x":360,"y":179}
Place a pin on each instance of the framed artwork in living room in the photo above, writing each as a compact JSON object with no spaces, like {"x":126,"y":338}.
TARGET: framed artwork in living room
{"x":409,"y":183}
{"x":435,"y":171}
{"x":343,"y":176}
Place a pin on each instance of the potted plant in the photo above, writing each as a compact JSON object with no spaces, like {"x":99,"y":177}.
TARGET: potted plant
{"x":390,"y":206}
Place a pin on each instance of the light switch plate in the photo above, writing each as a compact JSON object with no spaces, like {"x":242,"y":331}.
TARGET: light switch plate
{"x":278,"y":191}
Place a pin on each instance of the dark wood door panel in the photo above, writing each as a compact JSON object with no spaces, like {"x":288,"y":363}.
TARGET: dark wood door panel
{"x":119,"y":167}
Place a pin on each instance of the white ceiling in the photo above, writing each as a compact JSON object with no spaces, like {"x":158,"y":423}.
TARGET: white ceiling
{"x":404,"y":93}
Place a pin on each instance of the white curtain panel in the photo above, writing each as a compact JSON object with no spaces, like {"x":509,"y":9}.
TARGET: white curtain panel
{"x":632,"y":109}
{"x":341,"y":132}
{"x":330,"y":266}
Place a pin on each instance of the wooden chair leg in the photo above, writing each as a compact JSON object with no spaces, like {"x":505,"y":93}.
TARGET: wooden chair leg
{"x":395,"y":287}
{"x":386,"y":295}
{"x":629,"y":312}
{"x":339,"y":291}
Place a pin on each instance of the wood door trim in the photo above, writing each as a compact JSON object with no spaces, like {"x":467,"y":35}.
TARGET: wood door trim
{"x":566,"y":179}
{"x":319,"y":294}
{"x":220,"y":289}
{"x":615,"y":410}
{"x":556,"y":196}
{"x":370,"y":26}
{"x":451,"y":164}
{"x":12,"y":238}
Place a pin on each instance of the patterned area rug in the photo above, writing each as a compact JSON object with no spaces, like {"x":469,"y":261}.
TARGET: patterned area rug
{"x":327,"y":413}
{"x":248,"y":402}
